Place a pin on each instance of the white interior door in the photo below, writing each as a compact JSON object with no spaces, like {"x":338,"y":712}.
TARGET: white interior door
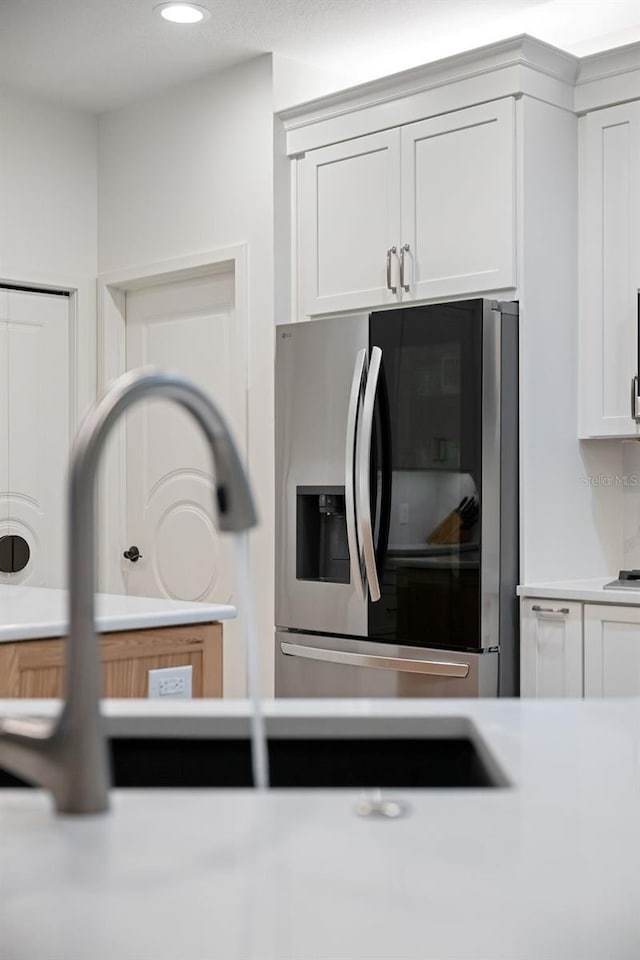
{"x":188,"y":325}
{"x":34,"y":431}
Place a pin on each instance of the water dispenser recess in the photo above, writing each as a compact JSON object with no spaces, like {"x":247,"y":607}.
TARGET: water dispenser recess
{"x":322,"y":551}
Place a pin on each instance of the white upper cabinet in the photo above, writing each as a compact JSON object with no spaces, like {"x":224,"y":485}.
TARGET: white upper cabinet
{"x":349,"y":223}
{"x":611,"y":651}
{"x":458,"y":202}
{"x":421,"y":211}
{"x":609,"y":269}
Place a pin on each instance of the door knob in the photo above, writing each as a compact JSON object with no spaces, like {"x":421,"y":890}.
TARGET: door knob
{"x":132,"y":554}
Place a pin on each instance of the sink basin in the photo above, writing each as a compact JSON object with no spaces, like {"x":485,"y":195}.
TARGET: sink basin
{"x":302,"y":762}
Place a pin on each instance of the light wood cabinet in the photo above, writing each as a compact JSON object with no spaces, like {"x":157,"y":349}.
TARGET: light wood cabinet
{"x":35,"y":668}
{"x":611,"y":651}
{"x":551,"y":649}
{"x":419,"y":211}
{"x":609,"y":269}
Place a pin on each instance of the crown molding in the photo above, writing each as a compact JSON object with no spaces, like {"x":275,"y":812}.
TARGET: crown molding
{"x":516,"y":50}
{"x":517,"y":66}
{"x":608,"y":77}
{"x":509,"y":67}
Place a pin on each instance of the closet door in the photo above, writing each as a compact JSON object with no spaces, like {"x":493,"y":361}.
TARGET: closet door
{"x":34,"y":437}
{"x":349,"y":209}
{"x":458,"y":202}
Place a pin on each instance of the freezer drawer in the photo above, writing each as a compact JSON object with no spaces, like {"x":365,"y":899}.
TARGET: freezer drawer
{"x":321,"y":666}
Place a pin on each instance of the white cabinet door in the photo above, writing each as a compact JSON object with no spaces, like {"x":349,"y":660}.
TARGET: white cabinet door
{"x":550,"y":648}
{"x":609,"y":269}
{"x":458,"y":201}
{"x":611,"y":651}
{"x":349,"y":208}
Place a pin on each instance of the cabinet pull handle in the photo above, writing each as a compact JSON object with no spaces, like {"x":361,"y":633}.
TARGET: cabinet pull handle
{"x":538,"y":609}
{"x":389,"y":286}
{"x":403,"y":250}
{"x":635,"y":381}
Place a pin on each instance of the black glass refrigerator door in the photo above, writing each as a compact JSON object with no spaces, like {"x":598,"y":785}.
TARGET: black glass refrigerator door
{"x":427,"y":473}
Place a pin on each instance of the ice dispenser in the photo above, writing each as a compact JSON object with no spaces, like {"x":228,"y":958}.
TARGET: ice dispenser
{"x":322,"y":552}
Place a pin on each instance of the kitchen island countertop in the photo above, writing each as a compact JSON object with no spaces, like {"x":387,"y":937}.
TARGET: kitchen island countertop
{"x":34,"y":613}
{"x":546,"y":869}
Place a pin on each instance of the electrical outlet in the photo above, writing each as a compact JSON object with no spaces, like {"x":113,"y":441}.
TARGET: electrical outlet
{"x":171,"y":682}
{"x":404,"y":513}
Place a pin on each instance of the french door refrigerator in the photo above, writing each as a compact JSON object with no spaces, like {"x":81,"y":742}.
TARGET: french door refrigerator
{"x":397,"y":503}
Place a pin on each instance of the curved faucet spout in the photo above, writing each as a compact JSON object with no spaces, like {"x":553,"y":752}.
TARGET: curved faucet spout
{"x":70,"y":756}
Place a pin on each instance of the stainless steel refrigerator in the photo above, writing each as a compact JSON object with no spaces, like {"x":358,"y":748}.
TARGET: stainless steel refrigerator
{"x":397,"y":503}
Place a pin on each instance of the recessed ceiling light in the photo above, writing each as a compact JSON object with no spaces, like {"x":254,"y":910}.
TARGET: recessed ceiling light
{"x":179,"y":12}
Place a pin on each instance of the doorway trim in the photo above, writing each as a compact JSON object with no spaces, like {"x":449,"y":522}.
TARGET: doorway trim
{"x":112,"y":290}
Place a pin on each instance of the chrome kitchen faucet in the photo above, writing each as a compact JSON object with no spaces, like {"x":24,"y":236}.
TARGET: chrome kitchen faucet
{"x":69,"y":755}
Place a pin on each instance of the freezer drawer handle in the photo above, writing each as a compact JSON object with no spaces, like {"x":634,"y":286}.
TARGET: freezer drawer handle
{"x":436,"y":668}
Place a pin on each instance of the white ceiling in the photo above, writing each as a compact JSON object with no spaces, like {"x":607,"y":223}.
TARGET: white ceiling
{"x":101,"y":54}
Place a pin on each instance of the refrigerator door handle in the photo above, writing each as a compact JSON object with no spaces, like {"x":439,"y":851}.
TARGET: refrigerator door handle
{"x":363,"y":482}
{"x":355,"y":555}
{"x":435,"y":668}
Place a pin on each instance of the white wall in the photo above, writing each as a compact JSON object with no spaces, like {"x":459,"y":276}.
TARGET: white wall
{"x":48,"y":237}
{"x":571,"y":518}
{"x":48,"y":190}
{"x":295,"y":82}
{"x":191,"y":171}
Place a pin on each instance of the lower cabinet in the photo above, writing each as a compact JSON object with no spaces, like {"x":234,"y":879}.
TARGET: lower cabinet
{"x":574,"y":649}
{"x":611,"y":651}
{"x":35,"y":668}
{"x":551,"y":649}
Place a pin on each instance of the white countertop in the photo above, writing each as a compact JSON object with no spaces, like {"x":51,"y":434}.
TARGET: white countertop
{"x":30,"y":613}
{"x":591,"y":591}
{"x":545,"y":870}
